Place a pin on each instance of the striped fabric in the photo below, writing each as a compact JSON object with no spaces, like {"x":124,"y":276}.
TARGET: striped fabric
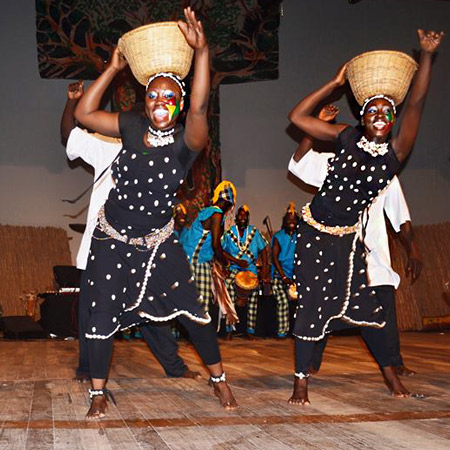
{"x":280,"y":294}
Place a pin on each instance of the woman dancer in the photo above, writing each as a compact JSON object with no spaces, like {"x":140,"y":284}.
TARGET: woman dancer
{"x":330,"y":270}
{"x":137,"y":270}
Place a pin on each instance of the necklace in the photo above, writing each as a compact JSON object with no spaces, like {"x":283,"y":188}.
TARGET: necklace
{"x":372,"y":147}
{"x":159,"y":138}
{"x":242,"y":245}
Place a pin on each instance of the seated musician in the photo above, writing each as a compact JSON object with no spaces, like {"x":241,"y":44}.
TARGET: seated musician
{"x":283,"y":250}
{"x":245,"y":242}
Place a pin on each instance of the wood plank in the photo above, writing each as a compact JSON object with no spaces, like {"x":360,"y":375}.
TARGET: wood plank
{"x":42,"y":407}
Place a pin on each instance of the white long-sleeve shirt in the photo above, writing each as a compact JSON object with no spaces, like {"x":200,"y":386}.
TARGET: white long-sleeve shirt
{"x":312,"y":169}
{"x":99,"y":154}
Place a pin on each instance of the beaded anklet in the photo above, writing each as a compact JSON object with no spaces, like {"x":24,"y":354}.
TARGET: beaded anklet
{"x":301,"y":375}
{"x":218,"y":379}
{"x":106,"y":392}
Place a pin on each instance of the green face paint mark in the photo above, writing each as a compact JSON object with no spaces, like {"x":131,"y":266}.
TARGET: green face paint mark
{"x":174,"y":110}
{"x":177,"y":109}
{"x":390,"y":116}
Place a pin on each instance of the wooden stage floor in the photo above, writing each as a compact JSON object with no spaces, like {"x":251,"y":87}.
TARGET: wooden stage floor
{"x":42,"y":408}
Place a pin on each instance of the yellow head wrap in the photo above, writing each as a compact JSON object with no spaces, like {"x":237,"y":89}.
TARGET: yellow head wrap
{"x":225,"y":190}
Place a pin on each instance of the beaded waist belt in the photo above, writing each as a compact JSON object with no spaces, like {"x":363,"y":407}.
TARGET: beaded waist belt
{"x":336,"y":230}
{"x":149,"y":240}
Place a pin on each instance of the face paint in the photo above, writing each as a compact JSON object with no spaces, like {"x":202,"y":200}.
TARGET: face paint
{"x":174,"y":110}
{"x":390,"y":116}
{"x":173,"y":105}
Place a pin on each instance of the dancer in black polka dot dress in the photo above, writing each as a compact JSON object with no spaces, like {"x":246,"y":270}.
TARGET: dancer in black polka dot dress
{"x":330,"y":268}
{"x":137,"y":270}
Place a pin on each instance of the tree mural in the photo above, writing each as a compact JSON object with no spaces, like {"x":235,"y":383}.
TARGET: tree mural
{"x":75,"y":38}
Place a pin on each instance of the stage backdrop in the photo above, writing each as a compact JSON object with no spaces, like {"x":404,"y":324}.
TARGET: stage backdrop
{"x":75,"y":39}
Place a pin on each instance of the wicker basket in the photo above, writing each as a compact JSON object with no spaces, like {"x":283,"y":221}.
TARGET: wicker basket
{"x":159,"y":47}
{"x":384,"y":72}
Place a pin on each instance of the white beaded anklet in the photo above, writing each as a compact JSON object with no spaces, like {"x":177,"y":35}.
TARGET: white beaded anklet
{"x":301,"y":375}
{"x":218,"y":379}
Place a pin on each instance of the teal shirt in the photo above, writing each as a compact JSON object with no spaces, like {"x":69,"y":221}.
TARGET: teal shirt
{"x":257,"y":244}
{"x":191,"y":237}
{"x":287,"y":251}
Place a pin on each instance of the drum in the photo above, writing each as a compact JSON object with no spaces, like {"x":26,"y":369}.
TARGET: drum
{"x":245,"y":282}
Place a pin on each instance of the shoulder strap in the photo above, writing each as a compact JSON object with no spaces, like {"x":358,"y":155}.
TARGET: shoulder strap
{"x":245,"y":250}
{"x":198,"y":248}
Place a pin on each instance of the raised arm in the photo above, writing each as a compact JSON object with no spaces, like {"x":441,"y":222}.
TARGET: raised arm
{"x":196,"y":134}
{"x":68,"y":122}
{"x":404,"y":141}
{"x":87,"y":111}
{"x":328,"y":114}
{"x":302,"y":117}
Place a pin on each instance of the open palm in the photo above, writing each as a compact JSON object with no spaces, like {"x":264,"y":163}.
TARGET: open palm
{"x":430,"y":40}
{"x":192,"y":30}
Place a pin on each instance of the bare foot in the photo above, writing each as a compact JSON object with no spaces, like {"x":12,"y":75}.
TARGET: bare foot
{"x":312,"y":370}
{"x":192,"y":374}
{"x":404,"y":371}
{"x":98,"y":408}
{"x":300,"y":394}
{"x":394,"y":384}
{"x":223,"y":392}
{"x":229,"y":336}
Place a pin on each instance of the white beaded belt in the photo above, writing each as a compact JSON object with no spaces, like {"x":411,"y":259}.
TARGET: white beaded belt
{"x":336,"y":230}
{"x":149,"y":240}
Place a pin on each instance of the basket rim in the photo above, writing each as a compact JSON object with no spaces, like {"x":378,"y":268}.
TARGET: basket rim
{"x":167,"y":23}
{"x":392,"y":52}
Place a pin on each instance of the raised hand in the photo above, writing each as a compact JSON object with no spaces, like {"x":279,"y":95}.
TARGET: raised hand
{"x":328,"y":113}
{"x":192,"y":30}
{"x":75,"y":90}
{"x":429,"y":40}
{"x":117,"y":61}
{"x":340,"y":77}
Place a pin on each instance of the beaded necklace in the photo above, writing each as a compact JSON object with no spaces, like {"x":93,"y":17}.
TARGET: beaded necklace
{"x":371,"y":147}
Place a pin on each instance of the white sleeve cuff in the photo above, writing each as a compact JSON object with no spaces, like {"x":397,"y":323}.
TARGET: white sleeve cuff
{"x":312,"y":168}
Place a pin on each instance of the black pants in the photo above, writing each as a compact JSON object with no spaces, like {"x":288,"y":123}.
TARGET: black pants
{"x":162,"y":343}
{"x":83,"y":319}
{"x":203,"y":337}
{"x":159,"y":338}
{"x":373,"y":337}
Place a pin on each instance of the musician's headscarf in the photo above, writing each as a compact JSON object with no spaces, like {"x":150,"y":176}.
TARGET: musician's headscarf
{"x":244,"y":208}
{"x":226,"y":191}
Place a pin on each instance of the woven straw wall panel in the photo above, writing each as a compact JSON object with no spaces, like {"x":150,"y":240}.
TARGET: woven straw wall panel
{"x":425,"y":297}
{"x":27,"y":257}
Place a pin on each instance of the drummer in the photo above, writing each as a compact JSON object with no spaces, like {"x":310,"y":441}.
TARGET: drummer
{"x":283,"y":250}
{"x":244,"y":241}
{"x":202,"y":241}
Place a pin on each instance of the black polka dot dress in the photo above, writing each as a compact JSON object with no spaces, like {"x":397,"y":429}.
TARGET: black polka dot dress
{"x":130,"y":284}
{"x":330,"y":270}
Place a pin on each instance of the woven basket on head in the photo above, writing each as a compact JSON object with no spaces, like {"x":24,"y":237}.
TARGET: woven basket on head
{"x":384,"y":72}
{"x":159,"y":47}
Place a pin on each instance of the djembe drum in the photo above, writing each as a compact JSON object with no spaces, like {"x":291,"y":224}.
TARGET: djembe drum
{"x":245,"y":282}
